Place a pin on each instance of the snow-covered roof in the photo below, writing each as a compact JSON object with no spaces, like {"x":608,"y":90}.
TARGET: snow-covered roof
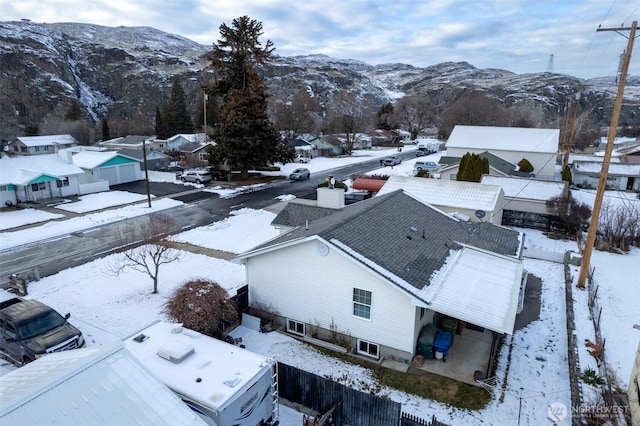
{"x":191,"y":137}
{"x":614,"y":168}
{"x":530,"y":189}
{"x":223,"y":369}
{"x":89,"y":386}
{"x":61,"y":140}
{"x":504,"y":139}
{"x":92,"y":159}
{"x":14,"y":170}
{"x":472,"y":291}
{"x":451,"y":193}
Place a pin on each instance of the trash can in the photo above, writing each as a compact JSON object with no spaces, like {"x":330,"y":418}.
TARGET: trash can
{"x":229,"y":177}
{"x":425,"y":341}
{"x":441,"y":344}
{"x":450,"y":325}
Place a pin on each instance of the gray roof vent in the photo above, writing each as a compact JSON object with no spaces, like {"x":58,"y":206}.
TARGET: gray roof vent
{"x":175,"y":352}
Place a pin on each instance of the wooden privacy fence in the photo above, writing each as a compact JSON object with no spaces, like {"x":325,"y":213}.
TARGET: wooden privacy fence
{"x":354,"y":408}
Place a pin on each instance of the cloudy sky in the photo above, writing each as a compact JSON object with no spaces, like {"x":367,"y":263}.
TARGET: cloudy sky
{"x":517,"y":35}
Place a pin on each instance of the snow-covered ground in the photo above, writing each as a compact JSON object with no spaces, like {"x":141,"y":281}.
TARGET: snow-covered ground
{"x":107,"y":308}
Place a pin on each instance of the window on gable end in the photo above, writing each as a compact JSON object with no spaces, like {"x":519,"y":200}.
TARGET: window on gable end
{"x":362,"y":303}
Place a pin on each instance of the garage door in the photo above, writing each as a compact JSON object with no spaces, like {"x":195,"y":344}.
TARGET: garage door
{"x":128,"y":172}
{"x":109,"y":174}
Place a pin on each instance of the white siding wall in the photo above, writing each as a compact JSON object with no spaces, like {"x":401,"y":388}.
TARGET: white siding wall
{"x":303,"y":285}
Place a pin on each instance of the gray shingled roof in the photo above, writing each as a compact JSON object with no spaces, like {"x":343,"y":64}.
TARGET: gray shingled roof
{"x":294,"y":214}
{"x":404,"y":236}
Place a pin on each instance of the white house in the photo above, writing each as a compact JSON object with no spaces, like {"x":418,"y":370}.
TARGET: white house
{"x":538,"y":146}
{"x":377,"y":271}
{"x":465,"y":200}
{"x":33,"y":178}
{"x":90,"y":386}
{"x":36,"y":145}
{"x":623,"y":173}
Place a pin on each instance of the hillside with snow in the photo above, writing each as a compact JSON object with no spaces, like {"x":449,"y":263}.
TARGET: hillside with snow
{"x":126,"y":72}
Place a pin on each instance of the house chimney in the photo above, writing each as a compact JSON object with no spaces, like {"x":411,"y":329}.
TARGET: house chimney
{"x":66,"y":155}
{"x":330,"y":198}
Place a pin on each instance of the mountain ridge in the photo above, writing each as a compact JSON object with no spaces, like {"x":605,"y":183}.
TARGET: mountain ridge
{"x":124,"y":73}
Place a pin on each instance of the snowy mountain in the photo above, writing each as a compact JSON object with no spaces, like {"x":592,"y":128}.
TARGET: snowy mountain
{"x":126,"y":72}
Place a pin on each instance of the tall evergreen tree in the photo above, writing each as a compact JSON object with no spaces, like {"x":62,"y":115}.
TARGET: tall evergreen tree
{"x":106,"y":133}
{"x":74,"y":112}
{"x":245,"y":136}
{"x":472,"y":167}
{"x":179,"y":120}
{"x":162,"y":123}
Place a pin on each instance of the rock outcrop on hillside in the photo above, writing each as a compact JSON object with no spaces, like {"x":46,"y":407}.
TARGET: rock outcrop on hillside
{"x":126,"y":72}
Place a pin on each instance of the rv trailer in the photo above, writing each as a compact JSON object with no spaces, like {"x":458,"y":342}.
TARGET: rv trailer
{"x":223,"y":383}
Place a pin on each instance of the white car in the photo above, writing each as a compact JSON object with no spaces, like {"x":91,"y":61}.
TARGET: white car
{"x":196,"y":176}
{"x":302,"y":159}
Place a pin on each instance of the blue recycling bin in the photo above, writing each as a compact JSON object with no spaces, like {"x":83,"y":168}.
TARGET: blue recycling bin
{"x":441,"y":344}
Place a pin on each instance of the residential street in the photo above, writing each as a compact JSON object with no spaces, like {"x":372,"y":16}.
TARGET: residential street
{"x":201,"y":208}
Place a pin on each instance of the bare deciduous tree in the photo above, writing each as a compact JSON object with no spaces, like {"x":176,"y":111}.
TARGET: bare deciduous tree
{"x":350,"y":116}
{"x":415,"y":114}
{"x":297,"y":115}
{"x":619,"y":227}
{"x":475,"y":108}
{"x":150,"y":248}
{"x":203,"y":306}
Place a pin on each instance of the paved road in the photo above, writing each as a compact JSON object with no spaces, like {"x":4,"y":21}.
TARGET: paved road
{"x":201,"y":208}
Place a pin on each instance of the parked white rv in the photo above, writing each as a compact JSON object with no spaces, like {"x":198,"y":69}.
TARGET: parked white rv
{"x":223,"y":383}
{"x":429,"y":145}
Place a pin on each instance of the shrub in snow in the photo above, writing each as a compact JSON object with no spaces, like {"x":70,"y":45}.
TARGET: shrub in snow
{"x":203,"y":306}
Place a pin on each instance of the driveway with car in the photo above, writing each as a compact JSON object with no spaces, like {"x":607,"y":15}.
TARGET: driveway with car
{"x":196,"y":176}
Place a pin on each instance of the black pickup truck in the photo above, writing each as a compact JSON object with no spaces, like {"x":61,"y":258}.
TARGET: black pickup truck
{"x":30,"y":329}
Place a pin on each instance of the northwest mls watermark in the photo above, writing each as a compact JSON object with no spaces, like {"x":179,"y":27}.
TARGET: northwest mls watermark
{"x":557,"y":411}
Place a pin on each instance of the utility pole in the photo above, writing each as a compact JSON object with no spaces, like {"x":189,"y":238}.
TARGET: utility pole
{"x":565,"y":161}
{"x":205,"y":98}
{"x":595,"y":215}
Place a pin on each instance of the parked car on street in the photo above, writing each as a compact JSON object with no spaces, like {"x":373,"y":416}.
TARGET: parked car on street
{"x":300,"y":174}
{"x":421,"y":152}
{"x":30,"y":329}
{"x":424,"y":165}
{"x":172,"y":169}
{"x":392,"y":160}
{"x":196,"y":176}
{"x":216,"y":174}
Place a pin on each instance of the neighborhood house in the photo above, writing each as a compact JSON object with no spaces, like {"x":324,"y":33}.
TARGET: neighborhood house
{"x":369,"y":277}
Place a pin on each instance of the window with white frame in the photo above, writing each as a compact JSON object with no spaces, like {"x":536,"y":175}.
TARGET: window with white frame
{"x":368,"y":349}
{"x":296,"y":327}
{"x":40,"y":186}
{"x":362,"y":303}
